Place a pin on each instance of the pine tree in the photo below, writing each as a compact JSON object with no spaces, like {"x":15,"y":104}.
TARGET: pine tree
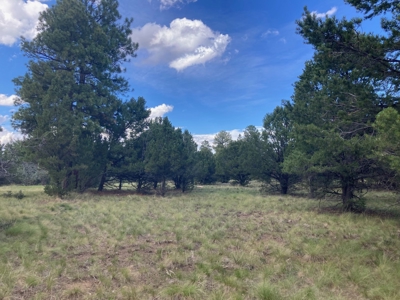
{"x":205,"y":164}
{"x":70,"y":95}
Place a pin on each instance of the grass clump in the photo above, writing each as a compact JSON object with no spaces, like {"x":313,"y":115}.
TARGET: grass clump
{"x":267,"y":292}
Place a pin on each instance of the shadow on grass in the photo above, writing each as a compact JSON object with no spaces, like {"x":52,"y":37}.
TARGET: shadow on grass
{"x":382,"y":213}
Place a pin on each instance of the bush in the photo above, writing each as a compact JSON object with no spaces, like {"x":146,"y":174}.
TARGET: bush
{"x":18,"y":195}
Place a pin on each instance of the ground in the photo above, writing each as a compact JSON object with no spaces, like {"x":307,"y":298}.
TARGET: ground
{"x":217,"y":242}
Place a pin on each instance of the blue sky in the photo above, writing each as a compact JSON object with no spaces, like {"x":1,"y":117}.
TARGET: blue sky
{"x":209,"y":65}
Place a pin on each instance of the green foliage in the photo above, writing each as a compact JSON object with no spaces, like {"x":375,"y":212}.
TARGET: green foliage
{"x":184,"y":167}
{"x":19,"y":195}
{"x":375,"y":7}
{"x":221,"y":140}
{"x":124,"y":141}
{"x":159,"y":155}
{"x":169,"y":154}
{"x":69,"y":96}
{"x":388,"y":139}
{"x":334,"y":105}
{"x":278,"y":127}
{"x":231,"y":162}
{"x":205,"y":164}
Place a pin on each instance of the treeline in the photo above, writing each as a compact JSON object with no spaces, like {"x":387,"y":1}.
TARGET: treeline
{"x":338,"y":135}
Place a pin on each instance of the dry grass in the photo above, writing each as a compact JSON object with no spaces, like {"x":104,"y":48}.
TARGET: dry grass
{"x":214,"y":243}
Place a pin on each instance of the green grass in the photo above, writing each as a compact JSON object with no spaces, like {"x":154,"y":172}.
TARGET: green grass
{"x":218,"y":242}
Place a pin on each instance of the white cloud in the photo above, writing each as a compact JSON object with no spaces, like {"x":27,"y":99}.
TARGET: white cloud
{"x":283,"y":40}
{"x":9,"y":136}
{"x":183,"y":44}
{"x":17,"y":18}
{"x":160,"y":110}
{"x":3,"y":119}
{"x":165,"y":4}
{"x":329,"y":13}
{"x":6,"y":100}
{"x":199,"y":138}
{"x":270,"y":32}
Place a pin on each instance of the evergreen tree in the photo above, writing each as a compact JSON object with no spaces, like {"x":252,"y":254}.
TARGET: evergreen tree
{"x":353,"y":76}
{"x":231,"y":162}
{"x":221,"y":141}
{"x":334,"y":105}
{"x":69,"y":96}
{"x":278,"y":128}
{"x":205,"y":164}
{"x":160,"y":155}
{"x":130,"y":120}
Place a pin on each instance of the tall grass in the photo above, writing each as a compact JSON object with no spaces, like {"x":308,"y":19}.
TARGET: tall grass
{"x":218,"y":242}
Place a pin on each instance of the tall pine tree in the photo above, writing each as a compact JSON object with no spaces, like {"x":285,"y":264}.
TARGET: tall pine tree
{"x":70,"y":95}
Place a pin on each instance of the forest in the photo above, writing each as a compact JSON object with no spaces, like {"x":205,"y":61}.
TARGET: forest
{"x":338,"y":136}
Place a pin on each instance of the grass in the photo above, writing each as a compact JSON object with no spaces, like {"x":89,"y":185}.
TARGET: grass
{"x":218,"y":242}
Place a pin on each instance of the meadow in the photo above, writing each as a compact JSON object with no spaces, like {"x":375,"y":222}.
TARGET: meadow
{"x":217,"y":242}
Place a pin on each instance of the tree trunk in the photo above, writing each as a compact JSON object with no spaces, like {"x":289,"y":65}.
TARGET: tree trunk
{"x":347,"y":195}
{"x":177,"y":182}
{"x":284,"y":183}
{"x":163,"y":187}
{"x":139,"y":184}
{"x":102,"y":180}
{"x":76,"y":173}
{"x":311,"y":185}
{"x":120,"y":184}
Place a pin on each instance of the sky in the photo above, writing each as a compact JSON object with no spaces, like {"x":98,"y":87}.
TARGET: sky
{"x":208,"y":65}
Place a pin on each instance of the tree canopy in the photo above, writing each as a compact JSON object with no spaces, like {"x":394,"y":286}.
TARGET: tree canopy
{"x":70,"y":95}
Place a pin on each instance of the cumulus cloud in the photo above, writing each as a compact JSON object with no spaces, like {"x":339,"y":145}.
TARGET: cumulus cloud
{"x":160,"y":110}
{"x":183,"y":44}
{"x":270,"y":32}
{"x":9,"y":136}
{"x":165,"y":4}
{"x":329,"y":13}
{"x":6,"y":100}
{"x":17,"y":18}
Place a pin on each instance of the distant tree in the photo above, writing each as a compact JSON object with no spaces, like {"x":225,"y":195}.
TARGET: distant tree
{"x":231,"y":162}
{"x":205,"y":164}
{"x":130,"y":120}
{"x":278,"y":128}
{"x":7,"y":163}
{"x":221,"y":140}
{"x":22,"y":170}
{"x":159,"y":156}
{"x":69,"y":96}
{"x":183,"y":167}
